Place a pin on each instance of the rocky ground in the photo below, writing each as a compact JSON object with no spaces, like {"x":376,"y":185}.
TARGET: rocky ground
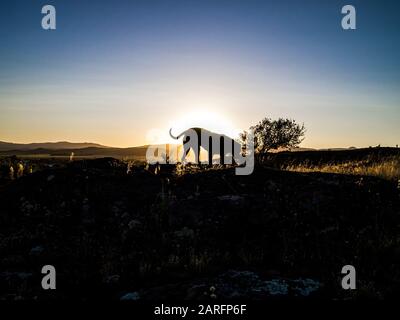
{"x":150,"y":234}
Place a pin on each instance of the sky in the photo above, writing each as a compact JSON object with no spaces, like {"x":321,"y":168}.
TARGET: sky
{"x":120,"y":72}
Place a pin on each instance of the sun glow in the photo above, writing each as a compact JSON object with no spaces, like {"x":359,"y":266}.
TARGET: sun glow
{"x":209,"y":120}
{"x":200,"y":117}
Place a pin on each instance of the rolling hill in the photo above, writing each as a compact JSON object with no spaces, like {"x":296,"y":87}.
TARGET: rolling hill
{"x":7,"y":146}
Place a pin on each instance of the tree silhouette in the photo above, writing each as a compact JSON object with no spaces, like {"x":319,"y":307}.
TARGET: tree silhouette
{"x":273,"y":134}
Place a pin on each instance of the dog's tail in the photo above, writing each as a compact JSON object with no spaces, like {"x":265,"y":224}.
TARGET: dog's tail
{"x":173,"y":137}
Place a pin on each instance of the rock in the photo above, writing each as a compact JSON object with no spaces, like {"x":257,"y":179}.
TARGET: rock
{"x":247,"y":284}
{"x":304,"y":287}
{"x":235,"y":284}
{"x":297,"y":287}
{"x":125,"y":215}
{"x":15,"y":277}
{"x":185,"y":233}
{"x":131,"y":296}
{"x":277,"y":287}
{"x":194,"y":292}
{"x":231,"y":198}
{"x":36,"y":251}
{"x":27,"y":207}
{"x":134,"y":223}
{"x":113,"y":279}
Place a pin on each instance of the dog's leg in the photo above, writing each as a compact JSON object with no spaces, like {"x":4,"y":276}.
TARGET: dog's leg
{"x":210,"y":151}
{"x":198,"y":152}
{"x":221,"y":150}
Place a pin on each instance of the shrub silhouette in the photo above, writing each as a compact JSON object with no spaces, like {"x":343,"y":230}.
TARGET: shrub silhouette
{"x":274,"y":134}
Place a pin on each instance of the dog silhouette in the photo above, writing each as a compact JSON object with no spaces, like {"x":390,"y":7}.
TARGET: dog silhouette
{"x":214,"y":143}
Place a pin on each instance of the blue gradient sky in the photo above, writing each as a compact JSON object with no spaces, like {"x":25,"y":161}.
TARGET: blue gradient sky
{"x":115,"y":69}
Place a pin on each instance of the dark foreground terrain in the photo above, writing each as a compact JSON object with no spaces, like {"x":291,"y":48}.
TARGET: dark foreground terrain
{"x":138,"y":234}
